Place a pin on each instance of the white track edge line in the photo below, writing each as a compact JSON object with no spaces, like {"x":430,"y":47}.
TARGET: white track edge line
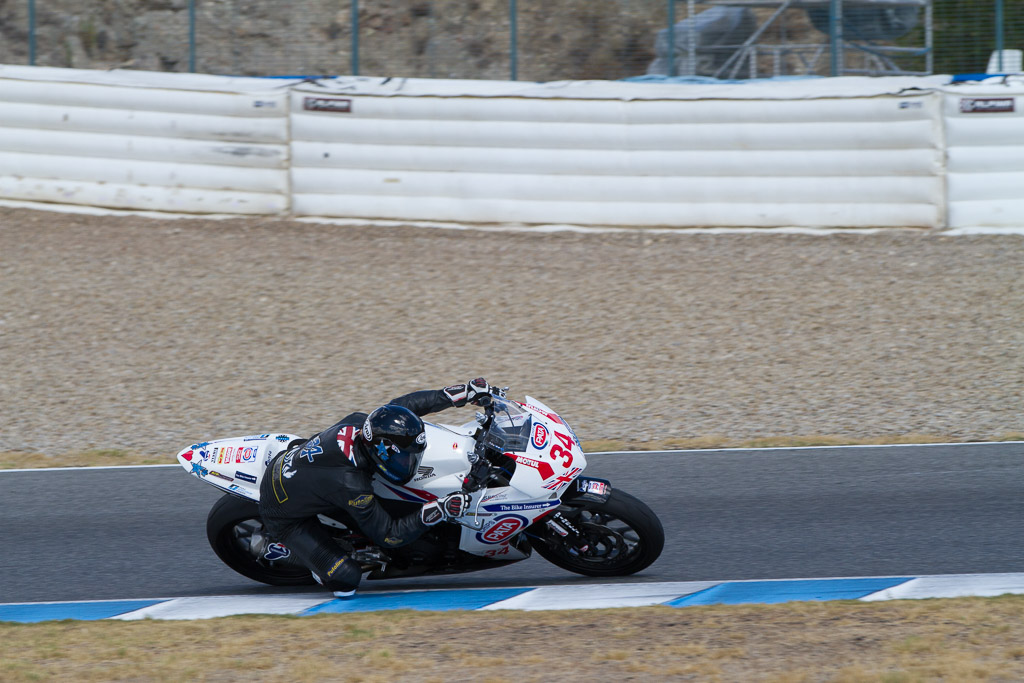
{"x":653,"y":584}
{"x":804,"y":448}
{"x":90,"y":467}
{"x":651,"y":452}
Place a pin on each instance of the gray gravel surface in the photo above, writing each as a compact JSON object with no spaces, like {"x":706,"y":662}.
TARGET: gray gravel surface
{"x":145,"y":334}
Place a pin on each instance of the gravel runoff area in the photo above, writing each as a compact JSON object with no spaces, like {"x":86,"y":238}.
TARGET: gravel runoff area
{"x":146,"y":335}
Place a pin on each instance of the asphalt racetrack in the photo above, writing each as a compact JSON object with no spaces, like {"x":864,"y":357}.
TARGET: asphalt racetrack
{"x":103,"y":534}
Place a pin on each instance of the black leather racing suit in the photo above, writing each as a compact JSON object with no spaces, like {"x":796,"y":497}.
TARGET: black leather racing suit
{"x":321,"y":476}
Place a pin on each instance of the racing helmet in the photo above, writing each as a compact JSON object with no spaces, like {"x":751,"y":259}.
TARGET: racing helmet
{"x":395,"y":440}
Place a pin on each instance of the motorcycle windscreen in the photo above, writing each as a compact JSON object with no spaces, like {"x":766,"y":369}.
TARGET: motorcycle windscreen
{"x":510,"y":430}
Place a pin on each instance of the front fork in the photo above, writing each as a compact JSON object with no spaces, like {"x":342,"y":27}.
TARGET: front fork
{"x":583,"y":489}
{"x":572,"y":537}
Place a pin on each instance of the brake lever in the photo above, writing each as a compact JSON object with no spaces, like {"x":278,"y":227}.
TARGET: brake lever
{"x":476,"y":525}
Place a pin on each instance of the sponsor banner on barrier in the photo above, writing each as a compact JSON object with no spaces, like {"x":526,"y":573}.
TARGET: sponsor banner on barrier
{"x":986,"y":105}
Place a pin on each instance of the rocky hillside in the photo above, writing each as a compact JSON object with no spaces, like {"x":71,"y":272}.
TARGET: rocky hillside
{"x":571,"y":39}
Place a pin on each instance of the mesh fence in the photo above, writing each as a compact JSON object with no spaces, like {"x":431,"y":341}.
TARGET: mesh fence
{"x":537,"y":40}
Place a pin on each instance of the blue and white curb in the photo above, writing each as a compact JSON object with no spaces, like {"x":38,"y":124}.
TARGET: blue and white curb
{"x":590,"y":596}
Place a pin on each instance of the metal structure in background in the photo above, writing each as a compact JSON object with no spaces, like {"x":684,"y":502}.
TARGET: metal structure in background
{"x":495,"y":39}
{"x":860,"y":36}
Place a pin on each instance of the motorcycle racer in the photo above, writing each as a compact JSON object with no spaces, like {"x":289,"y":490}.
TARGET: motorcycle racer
{"x":333,"y":470}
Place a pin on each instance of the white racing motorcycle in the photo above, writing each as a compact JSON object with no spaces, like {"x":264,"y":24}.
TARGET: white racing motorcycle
{"x":520,"y":461}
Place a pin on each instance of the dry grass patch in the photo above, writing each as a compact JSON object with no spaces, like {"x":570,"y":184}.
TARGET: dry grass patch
{"x":967,"y":639}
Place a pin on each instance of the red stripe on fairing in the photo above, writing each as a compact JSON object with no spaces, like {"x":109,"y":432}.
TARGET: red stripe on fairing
{"x":550,"y":416}
{"x":409,"y":493}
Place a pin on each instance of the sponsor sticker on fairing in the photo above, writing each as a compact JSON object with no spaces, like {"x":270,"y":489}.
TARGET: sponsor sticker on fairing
{"x":540,"y":436}
{"x":563,"y":480}
{"x":502,"y":528}
{"x":245,"y":476}
{"x":544,"y":469}
{"x":592,"y":486}
{"x":521,"y":507}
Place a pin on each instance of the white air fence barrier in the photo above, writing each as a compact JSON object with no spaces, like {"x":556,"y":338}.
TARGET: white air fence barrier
{"x":985,"y":147}
{"x":833,"y":152}
{"x":141,"y":140}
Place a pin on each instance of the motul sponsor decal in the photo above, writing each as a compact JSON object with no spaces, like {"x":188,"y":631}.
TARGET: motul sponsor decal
{"x":503,"y":528}
{"x":986,"y":105}
{"x":544,"y":469}
{"x":333,"y":104}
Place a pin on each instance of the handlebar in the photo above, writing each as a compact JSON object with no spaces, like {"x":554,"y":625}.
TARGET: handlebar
{"x":481,"y":469}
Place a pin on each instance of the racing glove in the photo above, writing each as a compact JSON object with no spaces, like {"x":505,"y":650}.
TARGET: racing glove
{"x":452,"y":506}
{"x":470,"y":392}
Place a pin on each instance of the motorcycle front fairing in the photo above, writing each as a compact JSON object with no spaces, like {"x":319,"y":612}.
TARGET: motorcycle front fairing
{"x":542,"y":455}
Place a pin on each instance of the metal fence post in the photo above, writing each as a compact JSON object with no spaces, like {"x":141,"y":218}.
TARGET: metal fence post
{"x":191,"y":36}
{"x":999,"y":34}
{"x":835,"y":36}
{"x":31,"y":32}
{"x":513,"y":42}
{"x":929,"y":39}
{"x":691,"y":16}
{"x":355,"y":37}
{"x":671,"y":38}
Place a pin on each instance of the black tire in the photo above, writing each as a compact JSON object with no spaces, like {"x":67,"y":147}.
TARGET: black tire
{"x":623,"y":536}
{"x":236,"y":534}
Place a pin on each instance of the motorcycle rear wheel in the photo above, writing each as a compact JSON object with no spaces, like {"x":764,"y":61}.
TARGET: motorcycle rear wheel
{"x":236,"y":534}
{"x":623,"y":536}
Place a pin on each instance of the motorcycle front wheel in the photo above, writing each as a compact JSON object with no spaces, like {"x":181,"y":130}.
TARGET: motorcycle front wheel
{"x":616,"y":538}
{"x":236,"y":534}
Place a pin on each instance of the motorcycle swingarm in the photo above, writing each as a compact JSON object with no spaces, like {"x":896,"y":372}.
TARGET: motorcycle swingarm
{"x":586,"y":489}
